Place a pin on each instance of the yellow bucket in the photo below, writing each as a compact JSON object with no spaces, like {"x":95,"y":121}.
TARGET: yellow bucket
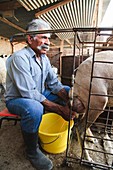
{"x":53,"y":133}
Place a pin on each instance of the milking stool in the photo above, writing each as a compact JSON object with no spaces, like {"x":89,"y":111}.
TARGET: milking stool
{"x":6,"y":115}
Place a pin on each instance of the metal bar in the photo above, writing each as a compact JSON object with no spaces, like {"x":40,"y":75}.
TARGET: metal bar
{"x":65,"y":30}
{"x":82,"y":155}
{"x":96,"y":165}
{"x":100,"y":109}
{"x":95,"y":94}
{"x":106,"y":62}
{"x":98,"y":151}
{"x":107,"y":78}
{"x":107,"y":48}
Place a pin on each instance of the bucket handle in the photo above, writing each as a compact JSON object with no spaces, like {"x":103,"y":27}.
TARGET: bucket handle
{"x":49,"y":142}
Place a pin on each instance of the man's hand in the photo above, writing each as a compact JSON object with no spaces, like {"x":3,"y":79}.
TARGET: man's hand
{"x":64,"y":111}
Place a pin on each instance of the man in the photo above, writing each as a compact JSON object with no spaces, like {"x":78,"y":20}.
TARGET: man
{"x":32,"y":87}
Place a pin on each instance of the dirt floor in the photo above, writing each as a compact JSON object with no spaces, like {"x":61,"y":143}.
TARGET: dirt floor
{"x":12,"y":153}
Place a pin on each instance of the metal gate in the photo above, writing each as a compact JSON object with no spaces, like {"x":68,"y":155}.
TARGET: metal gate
{"x":101,"y":152}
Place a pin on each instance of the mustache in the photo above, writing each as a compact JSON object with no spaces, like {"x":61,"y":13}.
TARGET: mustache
{"x":43,"y":46}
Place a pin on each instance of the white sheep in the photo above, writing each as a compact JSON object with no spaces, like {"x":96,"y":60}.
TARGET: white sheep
{"x":2,"y":74}
{"x":103,"y":87}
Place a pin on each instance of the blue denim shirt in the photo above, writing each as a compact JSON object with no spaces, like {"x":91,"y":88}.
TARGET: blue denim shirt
{"x":26,"y":77}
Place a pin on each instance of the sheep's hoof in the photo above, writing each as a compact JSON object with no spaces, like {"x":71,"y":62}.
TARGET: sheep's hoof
{"x":89,"y":158}
{"x":93,"y":140}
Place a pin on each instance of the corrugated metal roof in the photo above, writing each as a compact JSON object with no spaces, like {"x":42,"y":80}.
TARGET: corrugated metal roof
{"x":77,"y":13}
{"x":61,"y":14}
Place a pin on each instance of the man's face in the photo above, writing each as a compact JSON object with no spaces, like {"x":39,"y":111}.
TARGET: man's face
{"x":40,"y":43}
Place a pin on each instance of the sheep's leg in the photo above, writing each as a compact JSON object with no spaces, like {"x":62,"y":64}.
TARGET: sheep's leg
{"x":4,"y":85}
{"x":90,"y":136}
{"x":3,"y":88}
{"x":92,"y":116}
{"x":98,"y":103}
{"x":80,"y":140}
{"x":86,"y":153}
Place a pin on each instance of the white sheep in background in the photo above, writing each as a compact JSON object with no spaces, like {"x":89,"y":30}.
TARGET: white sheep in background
{"x":2,"y":74}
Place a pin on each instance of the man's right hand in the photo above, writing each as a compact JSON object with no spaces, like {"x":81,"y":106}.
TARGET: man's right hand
{"x":64,"y":111}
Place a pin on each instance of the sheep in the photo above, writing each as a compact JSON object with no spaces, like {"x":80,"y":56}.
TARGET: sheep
{"x":2,"y":75}
{"x":100,"y":86}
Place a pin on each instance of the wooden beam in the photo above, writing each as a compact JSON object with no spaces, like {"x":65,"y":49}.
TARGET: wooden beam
{"x":69,"y":42}
{"x":61,"y":50}
{"x":100,"y":11}
{"x":52,"y":43}
{"x":4,"y":6}
{"x":96,"y":13}
{"x":52,"y":7}
{"x":61,"y":46}
{"x":11,"y":24}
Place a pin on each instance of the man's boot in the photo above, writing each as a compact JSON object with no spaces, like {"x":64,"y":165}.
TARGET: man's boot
{"x":36,"y":157}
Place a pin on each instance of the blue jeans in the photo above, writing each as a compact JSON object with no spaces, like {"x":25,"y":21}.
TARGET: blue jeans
{"x":30,"y":110}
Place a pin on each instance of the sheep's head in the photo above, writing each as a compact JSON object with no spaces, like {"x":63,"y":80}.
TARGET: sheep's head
{"x":78,"y":105}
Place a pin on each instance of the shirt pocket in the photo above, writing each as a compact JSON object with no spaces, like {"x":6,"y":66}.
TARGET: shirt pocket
{"x":36,"y":73}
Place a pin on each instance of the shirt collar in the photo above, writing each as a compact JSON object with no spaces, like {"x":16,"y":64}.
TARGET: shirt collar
{"x":32,"y":53}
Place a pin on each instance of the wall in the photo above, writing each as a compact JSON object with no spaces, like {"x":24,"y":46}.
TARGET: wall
{"x":54,"y":56}
{"x":5,"y":46}
{"x":17,"y":46}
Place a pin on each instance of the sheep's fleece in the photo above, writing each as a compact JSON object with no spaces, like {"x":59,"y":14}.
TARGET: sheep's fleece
{"x":99,"y":85}
{"x":2,"y":72}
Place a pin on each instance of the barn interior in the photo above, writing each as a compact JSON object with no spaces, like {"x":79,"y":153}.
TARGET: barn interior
{"x":80,"y":29}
